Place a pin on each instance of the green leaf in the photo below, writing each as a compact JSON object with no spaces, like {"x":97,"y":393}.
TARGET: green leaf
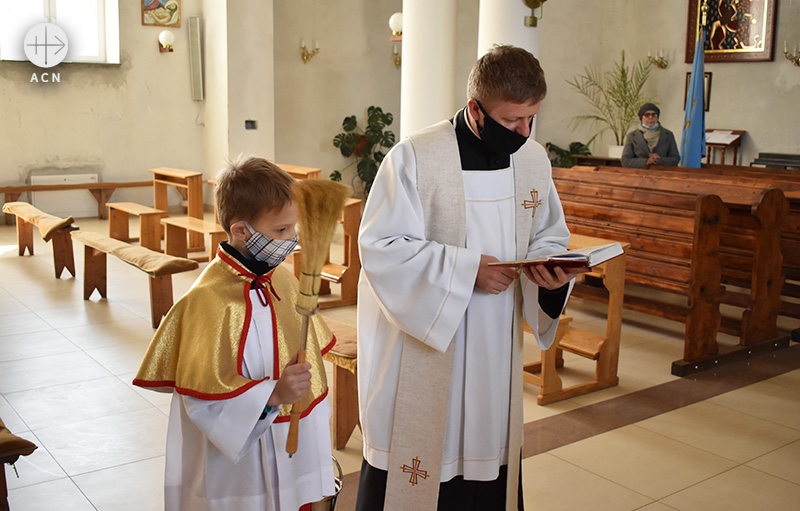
{"x":335,"y":176}
{"x":349,"y":123}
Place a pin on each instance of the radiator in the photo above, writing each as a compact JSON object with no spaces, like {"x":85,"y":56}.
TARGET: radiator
{"x":75,"y":203}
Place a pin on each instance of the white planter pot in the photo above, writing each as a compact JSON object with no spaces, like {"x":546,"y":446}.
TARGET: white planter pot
{"x":615,"y":151}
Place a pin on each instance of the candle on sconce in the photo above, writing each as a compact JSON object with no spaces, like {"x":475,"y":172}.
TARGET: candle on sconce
{"x":785,"y":47}
{"x":302,"y":43}
{"x":316,"y":44}
{"x":394,"y":49}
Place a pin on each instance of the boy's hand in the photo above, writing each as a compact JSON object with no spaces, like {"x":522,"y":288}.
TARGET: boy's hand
{"x":294,"y":383}
{"x":494,"y":279}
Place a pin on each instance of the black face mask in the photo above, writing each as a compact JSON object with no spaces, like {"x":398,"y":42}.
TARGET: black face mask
{"x":499,"y":138}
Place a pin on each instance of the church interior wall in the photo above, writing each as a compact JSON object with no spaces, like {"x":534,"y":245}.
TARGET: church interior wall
{"x":113,"y":120}
{"x":759,"y":97}
{"x":120,"y":120}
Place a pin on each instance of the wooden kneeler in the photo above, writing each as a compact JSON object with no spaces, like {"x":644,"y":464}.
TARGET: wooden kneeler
{"x":52,"y":228}
{"x":344,"y":394}
{"x":159,"y":267}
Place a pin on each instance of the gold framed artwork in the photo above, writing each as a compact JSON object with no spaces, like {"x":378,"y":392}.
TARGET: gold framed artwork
{"x":706,"y":90}
{"x":161,"y":13}
{"x":734,"y":30}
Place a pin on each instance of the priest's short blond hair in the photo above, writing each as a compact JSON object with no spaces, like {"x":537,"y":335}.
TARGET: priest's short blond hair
{"x":250,"y":187}
{"x":507,"y":73}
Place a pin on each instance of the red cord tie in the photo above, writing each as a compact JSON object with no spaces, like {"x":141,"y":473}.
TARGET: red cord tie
{"x":260,"y":281}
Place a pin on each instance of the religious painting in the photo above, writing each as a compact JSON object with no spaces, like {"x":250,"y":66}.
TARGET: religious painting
{"x":706,"y":90}
{"x":734,"y":30}
{"x":161,"y":13}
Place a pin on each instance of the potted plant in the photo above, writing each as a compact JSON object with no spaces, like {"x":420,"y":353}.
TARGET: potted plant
{"x":367,"y":146}
{"x":615,"y":98}
{"x":563,"y":158}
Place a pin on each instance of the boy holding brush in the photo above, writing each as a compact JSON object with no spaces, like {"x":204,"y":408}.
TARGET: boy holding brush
{"x":227,"y":351}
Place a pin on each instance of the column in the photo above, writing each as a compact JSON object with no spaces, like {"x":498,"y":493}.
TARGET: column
{"x":429,"y":55}
{"x":503,"y":22}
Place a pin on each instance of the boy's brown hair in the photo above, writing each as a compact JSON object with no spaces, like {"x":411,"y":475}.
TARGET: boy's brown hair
{"x":507,"y":73}
{"x":249,"y":187}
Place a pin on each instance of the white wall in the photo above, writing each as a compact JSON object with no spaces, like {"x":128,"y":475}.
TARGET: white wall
{"x":759,"y":97}
{"x":353,"y":70}
{"x":117,"y":120}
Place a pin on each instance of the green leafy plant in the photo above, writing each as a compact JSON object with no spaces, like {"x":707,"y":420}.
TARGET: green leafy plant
{"x":562,"y":158}
{"x":367,"y":146}
{"x":615,"y":97}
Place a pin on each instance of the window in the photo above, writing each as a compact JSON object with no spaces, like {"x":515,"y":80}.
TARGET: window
{"x":92,"y":27}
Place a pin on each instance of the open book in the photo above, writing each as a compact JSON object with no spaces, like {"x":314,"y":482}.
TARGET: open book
{"x":579,"y":257}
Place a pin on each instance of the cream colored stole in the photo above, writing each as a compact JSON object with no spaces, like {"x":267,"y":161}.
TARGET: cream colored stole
{"x":423,"y":394}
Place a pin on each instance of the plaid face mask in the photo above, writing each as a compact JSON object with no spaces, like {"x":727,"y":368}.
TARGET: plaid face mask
{"x":265,"y":249}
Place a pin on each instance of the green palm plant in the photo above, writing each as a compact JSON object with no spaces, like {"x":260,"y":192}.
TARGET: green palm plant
{"x":615,"y":97}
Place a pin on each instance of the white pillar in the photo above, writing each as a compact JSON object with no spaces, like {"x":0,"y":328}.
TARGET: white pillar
{"x":503,"y":22}
{"x":427,"y":88}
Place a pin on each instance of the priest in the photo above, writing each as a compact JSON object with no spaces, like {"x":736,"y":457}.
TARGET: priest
{"x":440,"y":331}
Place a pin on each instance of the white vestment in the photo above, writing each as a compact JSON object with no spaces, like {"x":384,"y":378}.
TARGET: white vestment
{"x":220,"y":455}
{"x":411,"y":285}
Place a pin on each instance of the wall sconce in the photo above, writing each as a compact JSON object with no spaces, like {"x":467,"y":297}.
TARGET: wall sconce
{"x":165,"y":41}
{"x":659,"y":61}
{"x":398,"y":60}
{"x":308,"y":55}
{"x":794,"y":58}
{"x":396,"y":24}
{"x":532,"y":20}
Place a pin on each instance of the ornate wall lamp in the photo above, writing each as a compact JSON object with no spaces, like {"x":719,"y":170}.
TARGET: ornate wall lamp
{"x":794,"y":57}
{"x":659,"y":61}
{"x":533,"y":20}
{"x":396,"y":24}
{"x":165,"y":41}
{"x":308,"y":55}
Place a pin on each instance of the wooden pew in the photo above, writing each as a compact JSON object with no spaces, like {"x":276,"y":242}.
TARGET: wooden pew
{"x":159,"y":267}
{"x":51,"y":228}
{"x":679,"y":247}
{"x":730,"y":181}
{"x":100,"y":191}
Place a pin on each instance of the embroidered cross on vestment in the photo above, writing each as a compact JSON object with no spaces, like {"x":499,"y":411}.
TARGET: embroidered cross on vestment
{"x":533,"y":203}
{"x":415,"y":471}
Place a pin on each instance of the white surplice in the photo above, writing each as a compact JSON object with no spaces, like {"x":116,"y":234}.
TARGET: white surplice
{"x":426,"y":289}
{"x":221,"y":457}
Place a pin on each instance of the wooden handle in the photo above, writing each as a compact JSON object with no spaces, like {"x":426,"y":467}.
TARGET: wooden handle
{"x":291,"y":440}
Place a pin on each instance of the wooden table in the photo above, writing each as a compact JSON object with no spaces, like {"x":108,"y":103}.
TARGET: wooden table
{"x":734,"y":144}
{"x":189,"y":183}
{"x":301,"y":173}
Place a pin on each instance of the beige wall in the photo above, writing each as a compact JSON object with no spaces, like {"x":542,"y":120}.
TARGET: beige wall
{"x":116,"y":120}
{"x":759,"y":97}
{"x":353,"y":70}
{"x":121,"y":120}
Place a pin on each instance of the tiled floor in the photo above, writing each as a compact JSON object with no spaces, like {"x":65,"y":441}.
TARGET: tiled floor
{"x":66,"y":366}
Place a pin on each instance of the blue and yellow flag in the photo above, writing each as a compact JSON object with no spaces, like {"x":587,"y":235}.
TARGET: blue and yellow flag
{"x":693,"y":142}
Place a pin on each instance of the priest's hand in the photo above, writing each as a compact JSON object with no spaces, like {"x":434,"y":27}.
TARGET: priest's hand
{"x":542,"y":277}
{"x":294,"y":383}
{"x":494,"y":279}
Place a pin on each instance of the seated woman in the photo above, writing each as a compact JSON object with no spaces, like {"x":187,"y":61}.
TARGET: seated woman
{"x":650,"y":143}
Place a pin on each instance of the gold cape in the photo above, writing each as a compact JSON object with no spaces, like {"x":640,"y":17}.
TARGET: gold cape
{"x":198,"y":349}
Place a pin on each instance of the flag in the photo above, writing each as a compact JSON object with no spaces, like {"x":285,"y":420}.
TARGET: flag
{"x":693,"y":142}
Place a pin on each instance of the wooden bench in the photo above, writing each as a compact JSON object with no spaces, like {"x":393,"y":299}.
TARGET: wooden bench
{"x":150,"y":229}
{"x":159,"y":267}
{"x":177,"y":229}
{"x":603,"y":349}
{"x":344,"y":393}
{"x":777,"y":160}
{"x":732,"y":183}
{"x":189,"y":184}
{"x":11,"y":448}
{"x":345,"y":274}
{"x":100,"y":191}
{"x":51,"y":228}
{"x":678,"y":247}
